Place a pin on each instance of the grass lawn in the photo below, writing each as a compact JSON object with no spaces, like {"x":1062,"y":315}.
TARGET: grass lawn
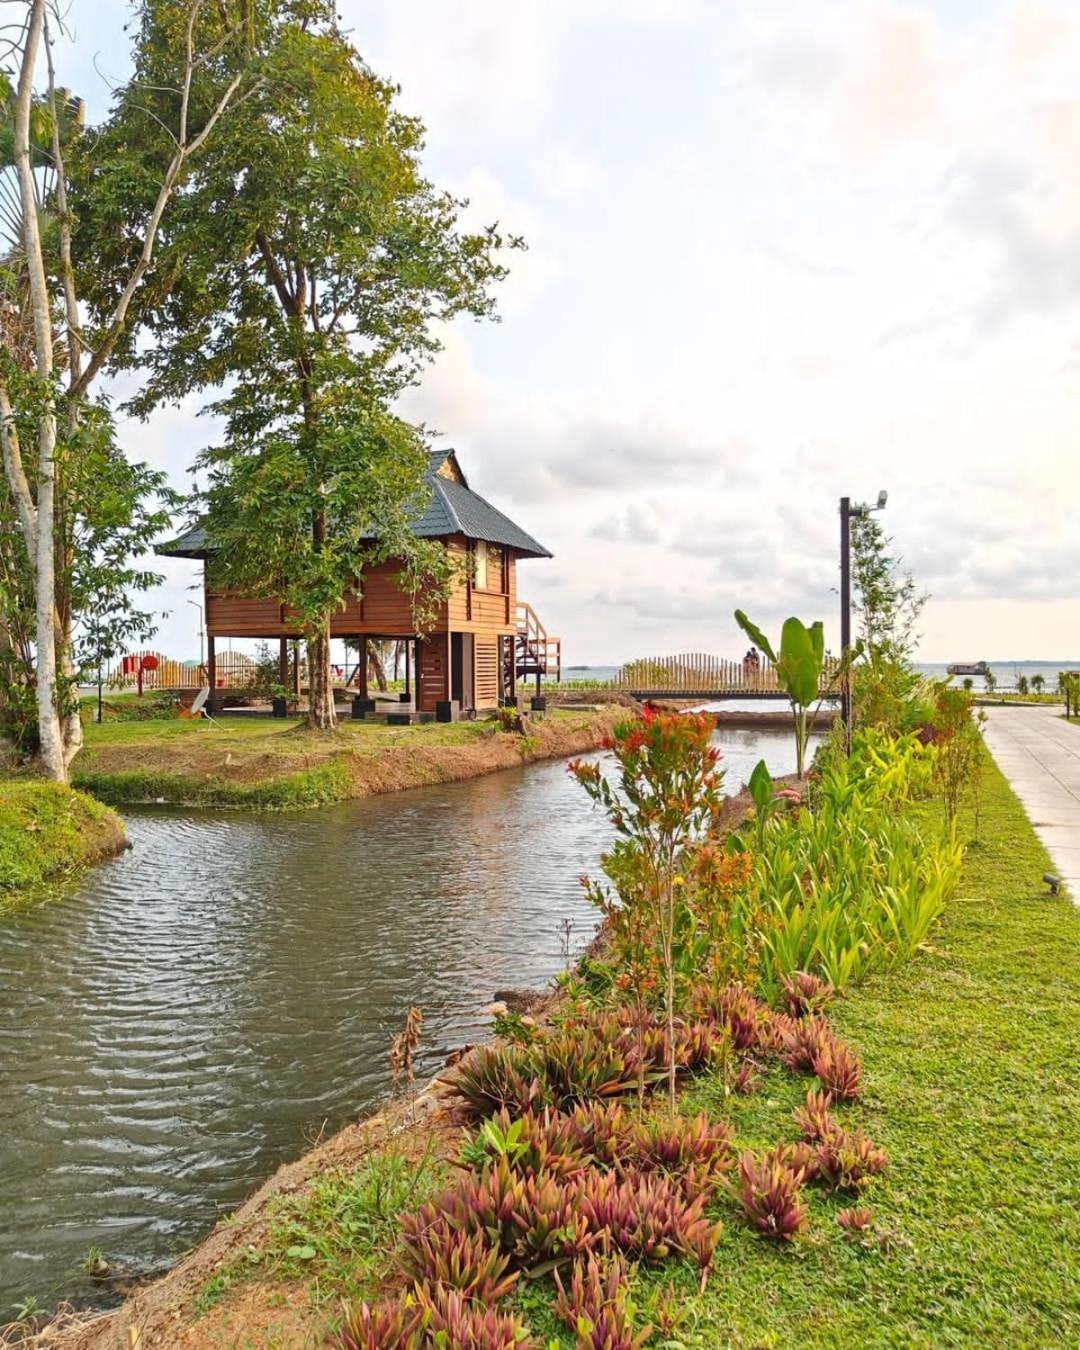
{"x":973,"y":1086}
{"x":47,"y":831}
{"x":266,"y":762}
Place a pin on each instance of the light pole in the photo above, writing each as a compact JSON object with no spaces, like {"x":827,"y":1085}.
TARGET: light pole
{"x":202,"y":626}
{"x":848,"y":512}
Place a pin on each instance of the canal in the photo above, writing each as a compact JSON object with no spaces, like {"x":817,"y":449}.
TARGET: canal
{"x":189,"y":1016}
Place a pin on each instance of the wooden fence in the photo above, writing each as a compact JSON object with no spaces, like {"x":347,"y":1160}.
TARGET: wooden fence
{"x":234,"y":670}
{"x":697,"y":672}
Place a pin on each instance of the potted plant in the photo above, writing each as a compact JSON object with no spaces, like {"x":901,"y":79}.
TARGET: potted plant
{"x":279,"y":700}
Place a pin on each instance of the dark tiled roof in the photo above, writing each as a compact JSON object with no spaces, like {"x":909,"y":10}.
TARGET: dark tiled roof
{"x":453,"y":508}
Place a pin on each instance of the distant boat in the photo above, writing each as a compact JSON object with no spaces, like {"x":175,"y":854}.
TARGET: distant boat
{"x":577,"y":667}
{"x":969,"y":668}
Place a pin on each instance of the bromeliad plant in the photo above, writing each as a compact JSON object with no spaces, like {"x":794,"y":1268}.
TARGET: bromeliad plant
{"x":665,"y":802}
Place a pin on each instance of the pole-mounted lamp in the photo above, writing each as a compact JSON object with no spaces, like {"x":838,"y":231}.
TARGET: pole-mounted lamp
{"x":848,"y":511}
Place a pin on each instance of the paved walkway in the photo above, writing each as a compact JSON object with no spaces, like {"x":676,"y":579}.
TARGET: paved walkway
{"x":1039,"y":753}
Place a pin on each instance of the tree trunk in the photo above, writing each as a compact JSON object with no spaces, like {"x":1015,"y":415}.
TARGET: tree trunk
{"x":322,"y":715}
{"x":49,"y":732}
{"x":376,"y":669}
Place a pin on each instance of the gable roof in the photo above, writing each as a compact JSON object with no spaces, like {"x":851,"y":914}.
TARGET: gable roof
{"x":453,"y":508}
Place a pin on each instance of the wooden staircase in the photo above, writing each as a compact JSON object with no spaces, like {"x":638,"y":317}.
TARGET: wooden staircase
{"x":536,"y":652}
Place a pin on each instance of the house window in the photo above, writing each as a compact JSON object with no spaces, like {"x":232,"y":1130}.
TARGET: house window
{"x":481,"y":580}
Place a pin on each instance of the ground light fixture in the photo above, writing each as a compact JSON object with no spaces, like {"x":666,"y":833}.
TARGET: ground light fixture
{"x":849,"y":511}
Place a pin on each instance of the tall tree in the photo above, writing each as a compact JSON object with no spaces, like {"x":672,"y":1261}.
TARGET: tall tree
{"x":64,"y":356}
{"x":888,"y":601}
{"x":308,"y":266}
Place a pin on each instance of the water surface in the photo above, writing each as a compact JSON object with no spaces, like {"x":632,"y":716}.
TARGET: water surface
{"x":188,"y":1016}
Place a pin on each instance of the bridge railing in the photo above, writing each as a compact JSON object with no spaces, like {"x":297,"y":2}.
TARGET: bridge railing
{"x":694,"y":672}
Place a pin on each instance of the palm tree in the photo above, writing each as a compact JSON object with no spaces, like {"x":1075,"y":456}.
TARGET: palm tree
{"x":969,"y":683}
{"x":1037,"y":682}
{"x":991,"y":681}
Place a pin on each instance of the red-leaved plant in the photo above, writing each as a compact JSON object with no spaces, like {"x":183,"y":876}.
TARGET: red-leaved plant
{"x":770,"y":1195}
{"x":801,"y":1041}
{"x":805,"y":995}
{"x":845,"y":1158}
{"x":424,"y":1319}
{"x":856,"y":1222}
{"x":458,"y":1260}
{"x":597,"y":1306}
{"x":815,"y":1120}
{"x":839,"y":1069}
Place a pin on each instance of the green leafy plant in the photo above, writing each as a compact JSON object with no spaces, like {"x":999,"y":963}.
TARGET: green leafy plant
{"x":800,"y":666}
{"x":665,"y":803}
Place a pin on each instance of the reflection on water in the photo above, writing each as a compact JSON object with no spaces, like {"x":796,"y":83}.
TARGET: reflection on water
{"x":193,"y":1012}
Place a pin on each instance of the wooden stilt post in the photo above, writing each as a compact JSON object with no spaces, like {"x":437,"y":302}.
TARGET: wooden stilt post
{"x":408,"y":692}
{"x":283,"y":663}
{"x":362,"y":681}
{"x":211,"y":673}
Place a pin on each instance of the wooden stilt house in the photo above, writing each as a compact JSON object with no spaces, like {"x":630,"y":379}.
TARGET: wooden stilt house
{"x":483,"y":639}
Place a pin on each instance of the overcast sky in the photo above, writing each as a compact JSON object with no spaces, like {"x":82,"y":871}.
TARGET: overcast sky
{"x":778,"y":252}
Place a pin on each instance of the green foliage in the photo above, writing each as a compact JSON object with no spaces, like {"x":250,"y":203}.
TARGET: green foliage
{"x":887,"y":601}
{"x":326,"y":783}
{"x":664,"y":807}
{"x":309,"y":269}
{"x":855,"y":884}
{"x":341,"y":1232}
{"x":800,"y":665}
{"x":48,"y":831}
{"x":113,"y":509}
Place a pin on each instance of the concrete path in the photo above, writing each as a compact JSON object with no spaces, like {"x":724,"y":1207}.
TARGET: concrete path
{"x":1039,"y":753}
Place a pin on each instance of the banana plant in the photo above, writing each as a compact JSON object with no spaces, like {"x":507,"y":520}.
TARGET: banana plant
{"x":799,"y":668}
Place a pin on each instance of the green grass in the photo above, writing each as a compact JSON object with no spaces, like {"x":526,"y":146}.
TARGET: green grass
{"x":245,"y":731}
{"x":320,"y":786}
{"x":340,"y":1235}
{"x":48,"y":831}
{"x":973,"y":1086}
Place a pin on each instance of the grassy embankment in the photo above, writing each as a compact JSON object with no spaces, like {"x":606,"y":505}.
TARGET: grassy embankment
{"x":47,"y":831}
{"x":971,"y":1085}
{"x":266,"y":763}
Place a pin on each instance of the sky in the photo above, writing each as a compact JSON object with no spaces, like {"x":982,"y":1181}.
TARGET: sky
{"x":779,"y":252}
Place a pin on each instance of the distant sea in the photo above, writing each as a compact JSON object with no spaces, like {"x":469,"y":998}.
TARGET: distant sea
{"x":1006,"y":672}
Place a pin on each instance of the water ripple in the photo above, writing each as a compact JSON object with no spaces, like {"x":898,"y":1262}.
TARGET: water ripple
{"x":181,"y":1022}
